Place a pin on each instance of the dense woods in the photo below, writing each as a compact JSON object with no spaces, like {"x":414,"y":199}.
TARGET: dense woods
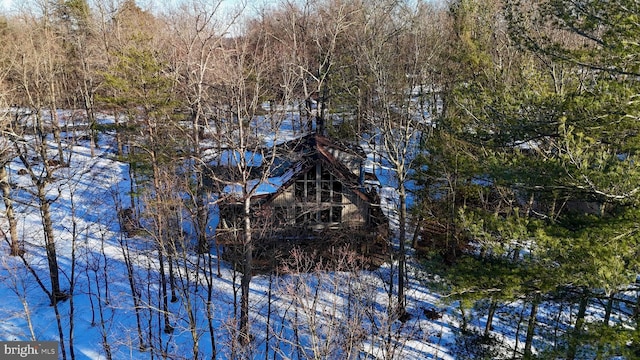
{"x":508,"y":131}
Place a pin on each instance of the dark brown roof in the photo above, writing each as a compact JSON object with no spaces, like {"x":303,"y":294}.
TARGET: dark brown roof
{"x":302,"y":154}
{"x":314,"y":148}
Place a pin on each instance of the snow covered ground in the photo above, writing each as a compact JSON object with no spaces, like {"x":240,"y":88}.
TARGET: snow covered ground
{"x":85,"y":197}
{"x":319,"y":310}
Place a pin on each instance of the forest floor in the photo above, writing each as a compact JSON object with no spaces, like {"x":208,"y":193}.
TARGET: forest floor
{"x":85,"y":198}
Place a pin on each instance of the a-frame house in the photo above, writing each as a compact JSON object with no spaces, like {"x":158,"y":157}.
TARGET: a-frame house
{"x":325,"y":200}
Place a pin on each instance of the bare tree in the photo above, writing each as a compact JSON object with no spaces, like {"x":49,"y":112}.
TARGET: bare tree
{"x":329,"y":316}
{"x":6,"y":148}
{"x":76,"y":27}
{"x":35,"y":155}
{"x":247,"y":142}
{"x":334,"y":310}
{"x":17,"y":280}
{"x":304,"y":38}
{"x":198,"y":35}
{"x":394,"y":54}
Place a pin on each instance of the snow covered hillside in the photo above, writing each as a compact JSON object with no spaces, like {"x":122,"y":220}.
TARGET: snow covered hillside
{"x":115,"y":302}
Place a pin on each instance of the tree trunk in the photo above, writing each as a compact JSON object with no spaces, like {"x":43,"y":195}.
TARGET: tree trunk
{"x":55,"y":127}
{"x":247,"y":268}
{"x":268,"y":327}
{"x":492,"y":310}
{"x":209,"y":280}
{"x":608,"y":309}
{"x":168,"y":329}
{"x":202,"y":213}
{"x":416,"y":232}
{"x":402,"y":255}
{"x":531,"y":326}
{"x":135,"y":292}
{"x":359,"y":112}
{"x":517,"y":335}
{"x":160,"y":231}
{"x":119,"y":131}
{"x":72,"y":280}
{"x":463,"y":316}
{"x":577,"y":329}
{"x":8,"y":204}
{"x":321,"y":112}
{"x":91,"y":117}
{"x":63,"y":351}
{"x":50,"y":245}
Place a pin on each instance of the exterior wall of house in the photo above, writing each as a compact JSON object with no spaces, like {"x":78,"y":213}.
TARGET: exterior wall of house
{"x":285,"y":199}
{"x":316,"y":212}
{"x":354,"y":211}
{"x":319,"y":201}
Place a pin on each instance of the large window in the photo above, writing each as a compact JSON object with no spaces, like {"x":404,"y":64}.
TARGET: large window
{"x":318,"y":196}
{"x":303,"y":216}
{"x":331,"y":188}
{"x":331,"y":214}
{"x":305,"y":190}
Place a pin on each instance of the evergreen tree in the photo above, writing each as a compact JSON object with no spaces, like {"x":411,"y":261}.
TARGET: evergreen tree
{"x":137,"y":85}
{"x":553,"y":139}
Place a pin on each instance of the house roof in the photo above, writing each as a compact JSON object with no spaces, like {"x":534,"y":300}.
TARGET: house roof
{"x":313,"y":148}
{"x":298,"y":156}
{"x":301,"y":156}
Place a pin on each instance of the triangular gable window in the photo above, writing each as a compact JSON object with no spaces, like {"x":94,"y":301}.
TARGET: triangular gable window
{"x":319,"y":197}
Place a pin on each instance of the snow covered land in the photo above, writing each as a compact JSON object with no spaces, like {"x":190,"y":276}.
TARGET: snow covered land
{"x":114,"y":306}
